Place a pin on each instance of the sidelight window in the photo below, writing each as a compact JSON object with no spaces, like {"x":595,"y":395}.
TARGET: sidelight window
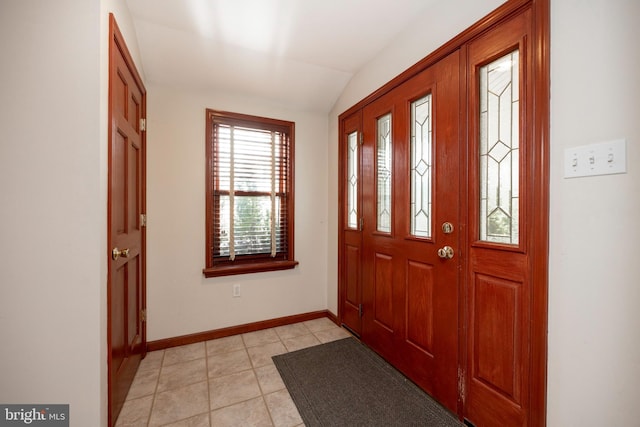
{"x":352,"y":180}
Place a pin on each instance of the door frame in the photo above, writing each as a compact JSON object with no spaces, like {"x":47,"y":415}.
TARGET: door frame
{"x":539,"y":216}
{"x":117,"y":45}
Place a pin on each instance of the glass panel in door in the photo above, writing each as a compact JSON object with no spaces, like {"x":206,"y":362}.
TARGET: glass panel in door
{"x":352,"y":180}
{"x":421,"y":167}
{"x":383,"y":173}
{"x":499,"y":150}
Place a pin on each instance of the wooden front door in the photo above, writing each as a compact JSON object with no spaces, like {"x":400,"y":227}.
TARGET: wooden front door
{"x":126,"y":232}
{"x":411,"y":232}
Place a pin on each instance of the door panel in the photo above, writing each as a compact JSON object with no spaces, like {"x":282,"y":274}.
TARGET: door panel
{"x":495,"y":309}
{"x":126,"y":236}
{"x":499,"y":289}
{"x":410,"y":294}
{"x":420,"y":305}
{"x":383,"y":291}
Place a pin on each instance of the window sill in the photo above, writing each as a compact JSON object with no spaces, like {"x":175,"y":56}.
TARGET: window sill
{"x":258,"y":267}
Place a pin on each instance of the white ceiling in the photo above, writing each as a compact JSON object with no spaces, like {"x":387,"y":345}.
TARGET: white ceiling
{"x":300,"y":53}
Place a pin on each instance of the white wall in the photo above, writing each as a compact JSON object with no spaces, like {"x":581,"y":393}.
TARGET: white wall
{"x":594,"y":286}
{"x":53,"y":182}
{"x":52,"y":334}
{"x":180,"y":299}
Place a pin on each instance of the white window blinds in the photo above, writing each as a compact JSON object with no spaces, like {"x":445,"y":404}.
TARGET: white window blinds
{"x":250,"y":191}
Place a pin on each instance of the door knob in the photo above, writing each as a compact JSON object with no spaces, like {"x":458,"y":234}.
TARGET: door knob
{"x":117,"y":253}
{"x":445,"y":252}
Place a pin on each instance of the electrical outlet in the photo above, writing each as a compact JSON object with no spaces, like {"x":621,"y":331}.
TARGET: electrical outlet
{"x":236,"y":290}
{"x":605,"y":158}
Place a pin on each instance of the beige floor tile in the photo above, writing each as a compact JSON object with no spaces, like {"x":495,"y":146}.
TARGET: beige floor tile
{"x":228,"y":363}
{"x":269,"y":379}
{"x":261,"y":355}
{"x":152,"y":360}
{"x":283,"y":411}
{"x":291,"y":331}
{"x":144,"y":383}
{"x":301,"y":342}
{"x":251,"y":413}
{"x":179,"y":404}
{"x":256,"y":338}
{"x":225,"y":345}
{"x":321,"y":324}
{"x":201,"y":420}
{"x":181,"y":374}
{"x":332,"y":335}
{"x":135,"y":412}
{"x":234,"y":388}
{"x":183,"y":353}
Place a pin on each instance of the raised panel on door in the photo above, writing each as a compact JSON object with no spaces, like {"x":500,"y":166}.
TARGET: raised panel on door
{"x":420,"y":305}
{"x":383,"y":290}
{"x":350,"y":282}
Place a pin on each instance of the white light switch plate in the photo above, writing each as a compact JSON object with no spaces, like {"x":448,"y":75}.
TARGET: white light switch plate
{"x":605,"y":158}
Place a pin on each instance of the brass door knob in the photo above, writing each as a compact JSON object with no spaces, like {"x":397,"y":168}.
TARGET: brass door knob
{"x":117,"y":253}
{"x":445,"y":252}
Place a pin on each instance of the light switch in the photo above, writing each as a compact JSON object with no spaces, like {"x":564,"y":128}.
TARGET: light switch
{"x":605,"y":158}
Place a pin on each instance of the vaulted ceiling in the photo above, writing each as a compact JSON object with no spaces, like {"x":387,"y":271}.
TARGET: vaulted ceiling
{"x":300,"y":53}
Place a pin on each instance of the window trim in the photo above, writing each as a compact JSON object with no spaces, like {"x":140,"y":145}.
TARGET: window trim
{"x":250,"y":264}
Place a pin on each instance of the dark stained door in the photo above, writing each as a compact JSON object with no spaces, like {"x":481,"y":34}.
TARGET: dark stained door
{"x":411,"y":199}
{"x":502,"y":184}
{"x":126,"y":281}
{"x":351,"y":220}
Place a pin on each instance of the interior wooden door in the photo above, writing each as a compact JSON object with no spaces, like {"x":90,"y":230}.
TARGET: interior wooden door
{"x":351,"y":220}
{"x":411,"y":199}
{"x":126,"y":232}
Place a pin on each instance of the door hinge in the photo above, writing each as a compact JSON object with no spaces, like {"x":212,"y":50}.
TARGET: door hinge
{"x":361,"y":138}
{"x":359,"y":310}
{"x":143,"y":314}
{"x":461,"y":389}
{"x":143,"y":125}
{"x":361,"y":225}
{"x":143,"y":220}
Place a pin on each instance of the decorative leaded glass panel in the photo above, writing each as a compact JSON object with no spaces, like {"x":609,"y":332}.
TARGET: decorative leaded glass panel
{"x":421,"y":167}
{"x":383,"y":173}
{"x":499,"y":150}
{"x":352,"y":180}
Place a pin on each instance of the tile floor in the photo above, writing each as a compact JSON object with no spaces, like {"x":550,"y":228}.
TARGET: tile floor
{"x":229,"y":381}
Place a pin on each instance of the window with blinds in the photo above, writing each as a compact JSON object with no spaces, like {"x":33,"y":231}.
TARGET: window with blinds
{"x":249,"y":194}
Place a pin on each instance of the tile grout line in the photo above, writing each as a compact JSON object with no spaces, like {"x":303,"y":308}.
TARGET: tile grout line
{"x":206,"y":366}
{"x":253,"y":368}
{"x":155,"y":389}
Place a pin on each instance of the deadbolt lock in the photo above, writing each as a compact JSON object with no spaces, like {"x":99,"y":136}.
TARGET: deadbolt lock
{"x":447,"y":228}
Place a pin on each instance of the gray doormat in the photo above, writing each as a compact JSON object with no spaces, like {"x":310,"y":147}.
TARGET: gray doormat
{"x":343,"y":383}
